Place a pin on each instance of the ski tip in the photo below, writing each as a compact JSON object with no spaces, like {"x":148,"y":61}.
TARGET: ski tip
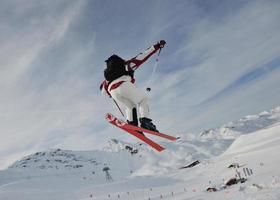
{"x":109,"y":117}
{"x":109,"y":114}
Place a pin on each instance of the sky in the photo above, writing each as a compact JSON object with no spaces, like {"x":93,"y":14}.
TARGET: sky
{"x":221,"y":62}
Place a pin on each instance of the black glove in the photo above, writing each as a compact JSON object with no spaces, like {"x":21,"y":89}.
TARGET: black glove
{"x":160,"y":44}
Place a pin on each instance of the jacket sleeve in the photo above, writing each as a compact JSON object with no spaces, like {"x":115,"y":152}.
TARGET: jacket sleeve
{"x":138,"y":60}
{"x":104,"y":88}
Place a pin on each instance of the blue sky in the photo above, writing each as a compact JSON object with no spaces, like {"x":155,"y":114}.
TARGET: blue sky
{"x":221,"y":62}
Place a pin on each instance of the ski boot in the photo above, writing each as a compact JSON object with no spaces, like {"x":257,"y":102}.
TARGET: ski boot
{"x":135,"y":123}
{"x":147,"y":124}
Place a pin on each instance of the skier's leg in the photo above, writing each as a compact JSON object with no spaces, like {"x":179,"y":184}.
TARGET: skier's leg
{"x":144,"y":108}
{"x":131,"y":112}
{"x":137,"y":96}
{"x":129,"y":105}
{"x":130,"y":93}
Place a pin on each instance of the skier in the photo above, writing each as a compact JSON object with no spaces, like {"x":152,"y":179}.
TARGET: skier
{"x":119,"y":84}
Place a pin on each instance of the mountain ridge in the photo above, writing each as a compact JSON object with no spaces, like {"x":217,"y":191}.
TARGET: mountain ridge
{"x":245,"y":125}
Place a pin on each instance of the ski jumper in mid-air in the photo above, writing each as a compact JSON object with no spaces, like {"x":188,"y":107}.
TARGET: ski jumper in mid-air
{"x":119,"y":84}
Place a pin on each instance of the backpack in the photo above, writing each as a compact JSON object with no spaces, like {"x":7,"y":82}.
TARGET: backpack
{"x":116,"y":67}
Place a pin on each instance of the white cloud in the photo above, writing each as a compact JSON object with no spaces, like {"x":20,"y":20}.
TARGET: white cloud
{"x":241,"y":43}
{"x":28,"y":116}
{"x":226,"y":51}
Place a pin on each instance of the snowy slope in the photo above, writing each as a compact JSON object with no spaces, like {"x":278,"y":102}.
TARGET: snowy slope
{"x":137,"y":172}
{"x":258,"y":152}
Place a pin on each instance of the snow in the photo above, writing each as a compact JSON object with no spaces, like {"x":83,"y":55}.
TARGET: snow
{"x":138,"y":172}
{"x":245,"y":125}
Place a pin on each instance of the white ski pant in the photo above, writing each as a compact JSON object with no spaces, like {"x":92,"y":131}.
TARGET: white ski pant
{"x":131,"y":97}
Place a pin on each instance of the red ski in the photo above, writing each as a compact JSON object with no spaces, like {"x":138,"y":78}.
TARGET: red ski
{"x":133,"y":130}
{"x":136,"y":128}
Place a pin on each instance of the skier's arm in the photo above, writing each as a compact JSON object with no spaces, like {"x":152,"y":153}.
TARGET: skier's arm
{"x":135,"y":62}
{"x":104,"y":88}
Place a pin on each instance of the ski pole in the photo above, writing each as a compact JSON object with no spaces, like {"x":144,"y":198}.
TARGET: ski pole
{"x":148,"y":89}
{"x":158,"y":54}
{"x":119,"y":108}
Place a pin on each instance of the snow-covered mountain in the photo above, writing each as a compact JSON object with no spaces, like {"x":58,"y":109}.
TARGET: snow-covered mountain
{"x":245,"y":125}
{"x":123,"y":170}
